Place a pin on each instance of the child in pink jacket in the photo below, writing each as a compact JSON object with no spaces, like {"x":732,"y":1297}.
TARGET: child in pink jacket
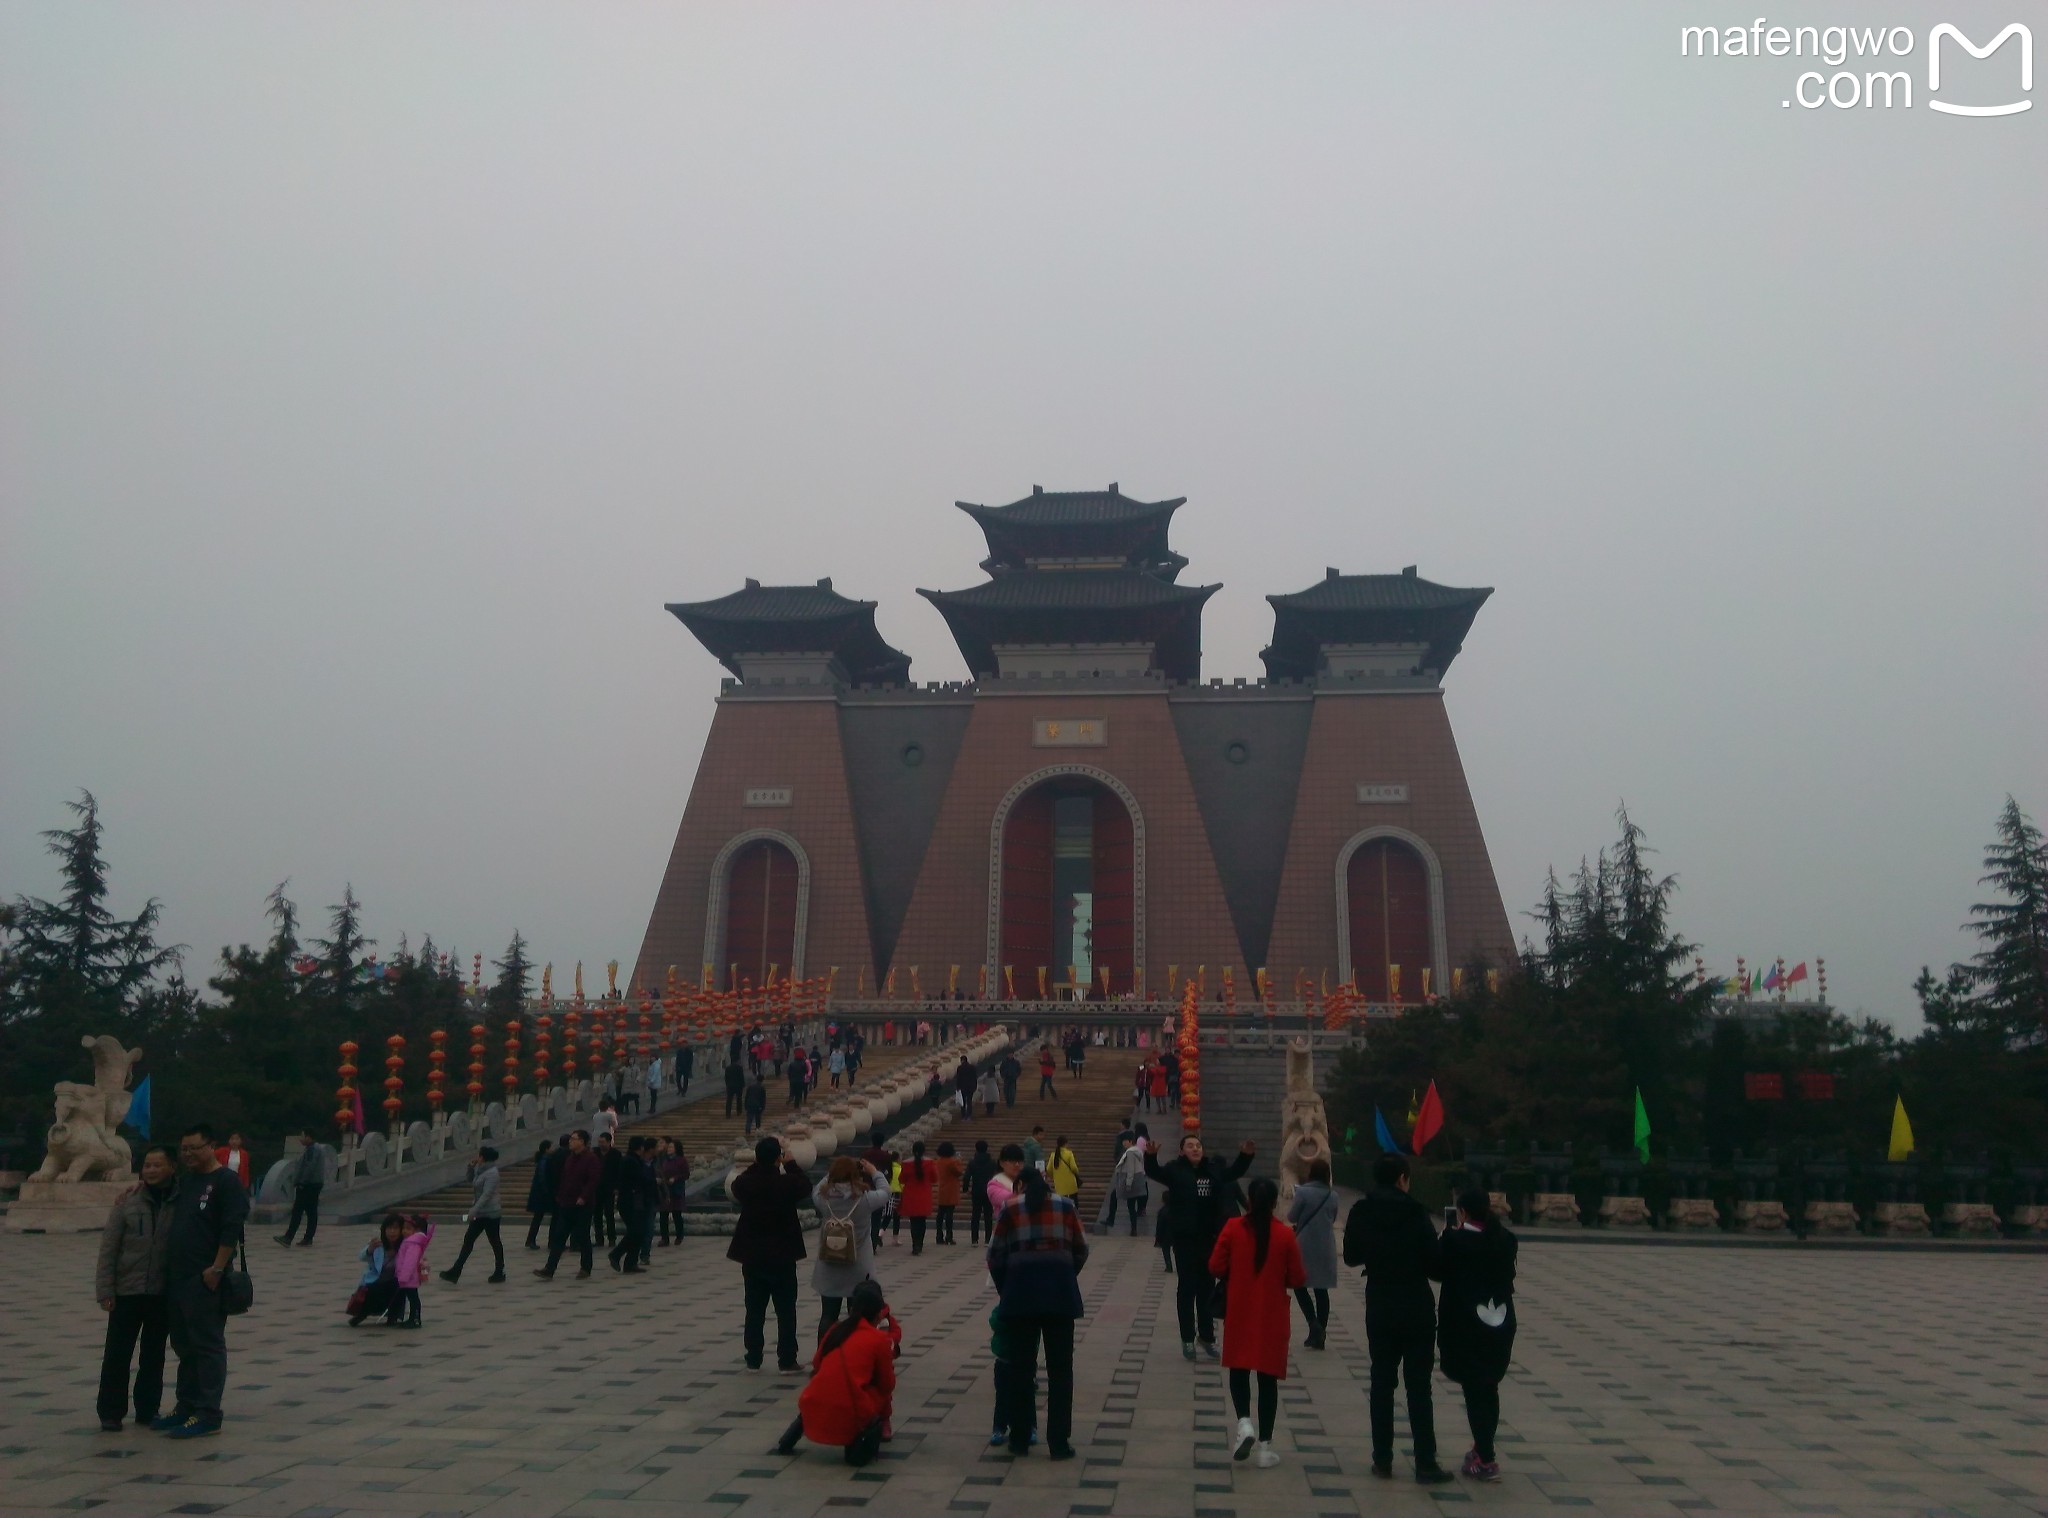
{"x":410,"y":1270}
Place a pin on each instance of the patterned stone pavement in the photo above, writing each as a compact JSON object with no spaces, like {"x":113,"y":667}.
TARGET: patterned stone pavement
{"x":1648,"y":1381}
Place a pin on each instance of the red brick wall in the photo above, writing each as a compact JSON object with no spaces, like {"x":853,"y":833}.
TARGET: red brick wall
{"x":1400,"y":739}
{"x":756,"y":743}
{"x":1187,"y":922}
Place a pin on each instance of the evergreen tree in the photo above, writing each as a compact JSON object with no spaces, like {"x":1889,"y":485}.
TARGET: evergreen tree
{"x":340,"y":953}
{"x":71,"y":969}
{"x":508,"y":994}
{"x":2011,"y":970}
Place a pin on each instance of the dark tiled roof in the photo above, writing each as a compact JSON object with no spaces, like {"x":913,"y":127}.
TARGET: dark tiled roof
{"x":1072,"y":589}
{"x":763,"y":619}
{"x":1402,"y":608}
{"x":1402,"y":592}
{"x":1067,"y":508}
{"x":773,"y":603}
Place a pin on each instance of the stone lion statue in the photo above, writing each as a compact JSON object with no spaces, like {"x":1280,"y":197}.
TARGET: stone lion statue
{"x":1304,"y":1126}
{"x":83,"y":1141}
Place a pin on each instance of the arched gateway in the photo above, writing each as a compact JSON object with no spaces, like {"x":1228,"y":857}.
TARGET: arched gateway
{"x":1067,"y":883}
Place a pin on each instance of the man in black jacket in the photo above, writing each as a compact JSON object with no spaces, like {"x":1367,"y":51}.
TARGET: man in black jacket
{"x":206,"y":1225}
{"x":767,"y":1241}
{"x":735,"y":1085}
{"x":1390,"y":1236}
{"x":1201,"y":1195}
{"x":1011,"y":1072}
{"x":981,"y":1169}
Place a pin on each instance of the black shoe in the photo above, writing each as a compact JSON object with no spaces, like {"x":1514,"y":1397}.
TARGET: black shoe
{"x":1433,"y":1475}
{"x":113,"y":1425}
{"x":615,"y":1263}
{"x":284,"y":1241}
{"x":790,"y":1369}
{"x":545,"y":1275}
{"x":305,"y":1243}
{"x":496,"y":1280}
{"x":450,"y":1277}
{"x":1060,"y":1451}
{"x":1383,"y":1470}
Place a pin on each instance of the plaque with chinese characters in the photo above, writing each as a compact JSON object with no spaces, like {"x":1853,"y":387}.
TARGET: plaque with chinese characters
{"x":770,"y":795}
{"x":1070,"y":732}
{"x":1370,"y":793}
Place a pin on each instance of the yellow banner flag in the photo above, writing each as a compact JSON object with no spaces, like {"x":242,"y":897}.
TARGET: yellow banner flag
{"x":1902,"y":1132}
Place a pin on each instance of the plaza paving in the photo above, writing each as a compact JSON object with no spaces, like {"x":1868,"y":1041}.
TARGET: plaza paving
{"x":1648,"y":1381}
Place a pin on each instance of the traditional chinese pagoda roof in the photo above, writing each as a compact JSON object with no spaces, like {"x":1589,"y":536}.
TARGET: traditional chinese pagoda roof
{"x":1367,"y":609}
{"x":1059,"y":528}
{"x":1066,"y":606}
{"x":789,"y":619}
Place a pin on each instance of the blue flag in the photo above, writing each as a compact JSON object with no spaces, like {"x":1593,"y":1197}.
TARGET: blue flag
{"x":1382,"y":1133}
{"x":138,"y":1108}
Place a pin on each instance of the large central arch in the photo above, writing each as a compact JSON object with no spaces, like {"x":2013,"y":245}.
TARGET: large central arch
{"x":1114,"y":921}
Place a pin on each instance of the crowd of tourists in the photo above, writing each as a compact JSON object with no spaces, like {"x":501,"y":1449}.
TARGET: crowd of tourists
{"x":164,"y":1270}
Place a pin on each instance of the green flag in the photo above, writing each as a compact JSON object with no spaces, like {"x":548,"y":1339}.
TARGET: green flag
{"x":1642,"y":1128}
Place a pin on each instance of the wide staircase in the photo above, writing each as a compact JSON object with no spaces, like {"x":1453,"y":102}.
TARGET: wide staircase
{"x":1090,"y":1112}
{"x":708,"y":1135}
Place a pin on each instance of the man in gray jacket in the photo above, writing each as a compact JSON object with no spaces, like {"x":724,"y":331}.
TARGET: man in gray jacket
{"x":309,"y":1175}
{"x":486,"y":1215}
{"x":129,"y":1286}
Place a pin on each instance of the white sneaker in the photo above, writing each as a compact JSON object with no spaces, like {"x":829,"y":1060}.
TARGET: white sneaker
{"x":1268,"y":1456}
{"x":1247,"y":1436}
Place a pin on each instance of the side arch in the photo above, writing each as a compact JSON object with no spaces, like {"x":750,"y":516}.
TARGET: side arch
{"x":1438,"y":952}
{"x":1011,"y":797}
{"x":715,"y":899}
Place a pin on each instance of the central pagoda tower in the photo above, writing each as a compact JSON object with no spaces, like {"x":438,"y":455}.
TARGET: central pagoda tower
{"x":1081,"y":584}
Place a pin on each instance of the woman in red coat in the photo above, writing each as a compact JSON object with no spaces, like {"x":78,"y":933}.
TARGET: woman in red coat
{"x":1259,"y":1261}
{"x":920,"y":1177}
{"x":853,"y":1379}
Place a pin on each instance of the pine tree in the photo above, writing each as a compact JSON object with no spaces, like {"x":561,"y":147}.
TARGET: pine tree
{"x":2011,"y":970}
{"x":340,"y":953}
{"x":74,"y":951}
{"x":508,"y":994}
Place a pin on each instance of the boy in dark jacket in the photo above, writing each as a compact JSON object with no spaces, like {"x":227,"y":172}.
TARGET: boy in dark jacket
{"x":1390,"y":1237}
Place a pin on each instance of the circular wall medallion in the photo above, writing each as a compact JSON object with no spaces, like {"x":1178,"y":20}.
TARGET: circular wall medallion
{"x":1237,"y":752}
{"x":913,"y":755}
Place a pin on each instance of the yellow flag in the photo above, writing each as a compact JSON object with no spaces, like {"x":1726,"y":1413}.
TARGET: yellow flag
{"x":1902,"y":1132}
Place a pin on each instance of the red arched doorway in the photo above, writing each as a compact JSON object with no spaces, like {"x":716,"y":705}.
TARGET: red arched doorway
{"x":1069,"y":894}
{"x":760,"y":913}
{"x":1388,"y":886}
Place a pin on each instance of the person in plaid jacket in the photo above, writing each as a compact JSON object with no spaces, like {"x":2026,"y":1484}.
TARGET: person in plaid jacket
{"x":1035,"y":1254}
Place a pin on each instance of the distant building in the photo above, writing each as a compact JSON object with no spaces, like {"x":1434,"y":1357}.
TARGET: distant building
{"x":1084,"y":806}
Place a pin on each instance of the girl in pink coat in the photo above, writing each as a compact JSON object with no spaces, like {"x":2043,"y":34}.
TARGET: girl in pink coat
{"x":410,"y":1269}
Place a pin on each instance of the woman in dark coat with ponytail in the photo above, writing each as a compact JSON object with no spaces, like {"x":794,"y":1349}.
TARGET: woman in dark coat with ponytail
{"x":1476,"y":1321}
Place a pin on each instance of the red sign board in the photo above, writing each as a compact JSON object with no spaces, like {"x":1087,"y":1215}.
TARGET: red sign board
{"x":1763,"y":1086}
{"x":1816,"y":1086}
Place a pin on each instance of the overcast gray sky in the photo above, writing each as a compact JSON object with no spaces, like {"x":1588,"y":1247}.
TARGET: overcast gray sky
{"x":370,"y":375}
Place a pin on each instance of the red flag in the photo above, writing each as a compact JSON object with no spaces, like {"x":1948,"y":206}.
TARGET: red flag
{"x":1798,"y":972}
{"x":1429,"y":1120}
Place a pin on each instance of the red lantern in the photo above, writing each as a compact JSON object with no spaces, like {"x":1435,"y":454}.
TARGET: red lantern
{"x":345,"y":1111}
{"x":394,"y":1082}
{"x":476,"y":1064}
{"x":437,"y":1056}
{"x":510,"y":1079}
{"x":542,"y":1031}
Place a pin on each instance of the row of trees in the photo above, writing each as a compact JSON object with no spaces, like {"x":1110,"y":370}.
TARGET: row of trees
{"x":1606,"y":1004}
{"x":259,"y":1053}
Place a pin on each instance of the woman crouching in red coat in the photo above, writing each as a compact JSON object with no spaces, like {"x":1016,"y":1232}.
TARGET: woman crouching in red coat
{"x":853,"y":1379}
{"x":1258,"y":1261}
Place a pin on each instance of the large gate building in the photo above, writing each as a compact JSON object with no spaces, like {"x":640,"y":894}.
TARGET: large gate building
{"x":1086,"y":810}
